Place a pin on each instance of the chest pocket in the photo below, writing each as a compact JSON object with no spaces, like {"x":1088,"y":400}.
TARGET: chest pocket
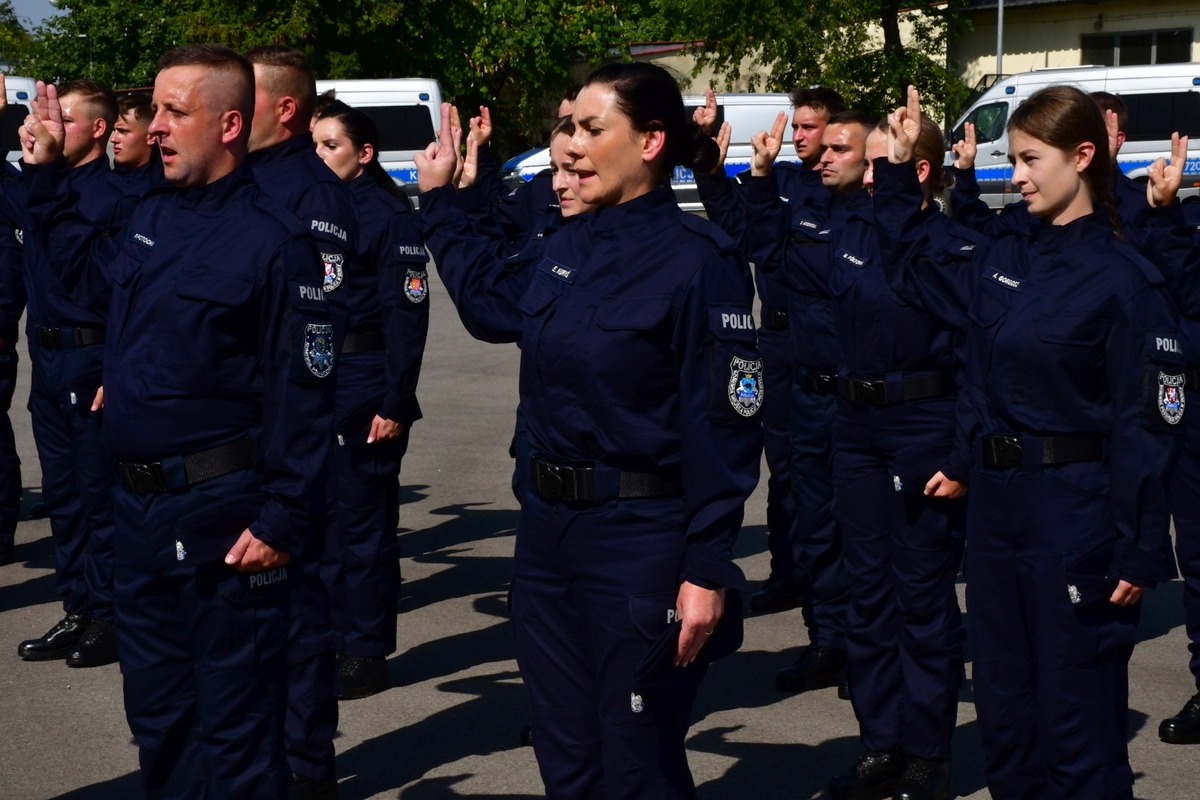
{"x":208,"y":332}
{"x":1072,"y":346}
{"x":633,"y":339}
{"x":538,"y":306}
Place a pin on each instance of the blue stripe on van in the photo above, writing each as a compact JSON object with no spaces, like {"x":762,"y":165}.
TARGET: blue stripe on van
{"x":1005,"y":172}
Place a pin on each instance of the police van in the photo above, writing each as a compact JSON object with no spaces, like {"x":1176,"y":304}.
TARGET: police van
{"x":1162,"y":99}
{"x":21,"y":93}
{"x":747,"y":114}
{"x":407,"y":112}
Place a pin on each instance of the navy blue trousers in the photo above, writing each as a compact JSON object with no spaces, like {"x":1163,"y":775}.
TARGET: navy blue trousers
{"x":202,"y":655}
{"x":904,"y":631}
{"x":776,"y":350}
{"x":816,"y":539}
{"x":1051,"y":680}
{"x":77,"y":476}
{"x":1185,"y":510}
{"x":10,"y":462}
{"x":592,"y":588}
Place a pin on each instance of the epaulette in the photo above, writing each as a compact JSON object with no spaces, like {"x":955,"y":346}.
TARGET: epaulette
{"x":1145,"y":265}
{"x":709,"y":230}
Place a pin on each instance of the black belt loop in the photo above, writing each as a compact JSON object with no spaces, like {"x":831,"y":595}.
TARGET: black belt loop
{"x":1004,"y":451}
{"x":364,"y":342}
{"x":820,"y":383}
{"x":578,"y":484}
{"x":198,"y":467}
{"x":775,"y":319}
{"x":54,"y":339}
{"x":873,"y":390}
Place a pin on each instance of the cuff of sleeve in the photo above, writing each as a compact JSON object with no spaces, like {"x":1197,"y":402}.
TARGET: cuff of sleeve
{"x":761,"y":187}
{"x":712,"y":184}
{"x":402,"y":409}
{"x":472,"y":198}
{"x":708,"y":570}
{"x":431,"y":199}
{"x":276,"y":528}
{"x":964,"y":180}
{"x":1140,"y":568}
{"x":1170,"y":216}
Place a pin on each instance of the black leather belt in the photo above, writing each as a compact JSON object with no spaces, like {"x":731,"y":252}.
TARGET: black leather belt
{"x":775,"y":319}
{"x":364,"y":342}
{"x":1002,"y":451}
{"x":873,"y":391}
{"x":816,"y":382}
{"x":58,"y":338}
{"x":578,"y":484}
{"x":198,"y":467}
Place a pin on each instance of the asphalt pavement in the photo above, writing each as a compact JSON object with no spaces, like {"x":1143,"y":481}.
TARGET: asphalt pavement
{"x":449,"y":727}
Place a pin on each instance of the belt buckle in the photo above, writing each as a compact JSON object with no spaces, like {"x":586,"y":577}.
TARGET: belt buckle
{"x":863,"y":391}
{"x":144,"y":478}
{"x":1006,"y":451}
{"x":551,"y":481}
{"x":47,"y":337}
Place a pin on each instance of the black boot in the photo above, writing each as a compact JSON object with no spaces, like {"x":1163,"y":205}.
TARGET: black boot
{"x":363,"y":677}
{"x":924,"y":780}
{"x":816,"y":668}
{"x":57,"y":642}
{"x":97,"y":647}
{"x":873,"y":777}
{"x":527,"y":736}
{"x":844,"y":690}
{"x":307,"y":789}
{"x":777,"y":594}
{"x":1184,"y":727}
{"x":38,"y":511}
{"x":8,"y":554}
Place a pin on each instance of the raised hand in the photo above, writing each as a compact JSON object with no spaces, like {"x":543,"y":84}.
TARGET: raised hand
{"x":1114,"y":132}
{"x":965,"y":148}
{"x":456,"y":134}
{"x":437,"y":164}
{"x":767,"y":145}
{"x":1163,"y":179}
{"x":706,"y":115}
{"x":904,"y":128}
{"x":3,"y":94}
{"x":722,"y":139}
{"x":469,"y":170}
{"x":481,"y":128}
{"x":43,"y":134}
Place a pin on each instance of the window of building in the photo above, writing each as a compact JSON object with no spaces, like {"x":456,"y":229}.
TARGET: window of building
{"x":1140,"y":47}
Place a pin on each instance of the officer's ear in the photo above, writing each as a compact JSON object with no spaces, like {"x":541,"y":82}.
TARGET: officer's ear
{"x":232,"y":126}
{"x":286,"y":107}
{"x":653,"y":143}
{"x":923,"y":170}
{"x":1082,"y":157}
{"x":366,"y":154}
{"x":100,"y":129}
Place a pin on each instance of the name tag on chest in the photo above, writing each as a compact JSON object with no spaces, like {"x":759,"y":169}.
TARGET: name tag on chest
{"x":558,"y":270}
{"x":1007,"y":281}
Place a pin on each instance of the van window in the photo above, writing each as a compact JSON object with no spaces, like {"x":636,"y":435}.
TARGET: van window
{"x":11,"y":120}
{"x":1154,"y":117}
{"x":402,"y":127}
{"x":989,"y":122}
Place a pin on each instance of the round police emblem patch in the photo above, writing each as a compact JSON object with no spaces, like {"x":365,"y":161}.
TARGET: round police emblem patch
{"x":416,"y":285}
{"x":333,"y":270}
{"x":20,"y":234}
{"x":746,"y":386}
{"x":1171,"y":401}
{"x":318,"y":348}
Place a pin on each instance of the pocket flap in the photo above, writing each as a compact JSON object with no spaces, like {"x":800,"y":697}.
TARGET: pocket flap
{"x":205,"y":535}
{"x":1080,"y":330}
{"x":202,"y":283}
{"x":653,"y":613}
{"x":631,"y":313}
{"x":537,"y":297}
{"x":986,"y":309}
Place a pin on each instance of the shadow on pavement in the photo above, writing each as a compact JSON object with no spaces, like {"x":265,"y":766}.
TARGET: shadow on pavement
{"x":126,"y":786}
{"x":1162,"y":611}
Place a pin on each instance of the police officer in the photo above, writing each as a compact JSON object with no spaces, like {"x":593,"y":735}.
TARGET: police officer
{"x":133,"y":151}
{"x":12,"y":306}
{"x":641,"y":384}
{"x":288,"y":169}
{"x":1068,"y":520}
{"x":388,"y":299}
{"x":218,"y":411}
{"x":66,"y":332}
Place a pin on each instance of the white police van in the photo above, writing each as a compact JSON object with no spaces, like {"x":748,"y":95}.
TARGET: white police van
{"x":1162,"y":99}
{"x":21,"y":93}
{"x":747,"y":114}
{"x":407,"y":111}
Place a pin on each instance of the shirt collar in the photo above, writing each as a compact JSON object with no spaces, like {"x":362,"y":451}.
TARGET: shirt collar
{"x":216,"y":194}
{"x":652,"y":205}
{"x":288,"y":148}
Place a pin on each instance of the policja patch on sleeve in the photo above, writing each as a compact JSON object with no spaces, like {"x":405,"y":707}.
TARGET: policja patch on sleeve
{"x":318,"y":348}
{"x":333,"y":270}
{"x":416,"y":285}
{"x":746,"y":386}
{"x":1171,"y":400}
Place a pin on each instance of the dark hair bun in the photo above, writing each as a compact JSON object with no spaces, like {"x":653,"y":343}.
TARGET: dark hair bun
{"x":698,"y":152}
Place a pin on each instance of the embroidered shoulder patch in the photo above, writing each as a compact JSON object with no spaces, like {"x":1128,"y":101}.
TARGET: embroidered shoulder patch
{"x":1171,"y":400}
{"x":318,"y":348}
{"x":333,"y":270}
{"x":746,"y":386}
{"x":416,"y":285}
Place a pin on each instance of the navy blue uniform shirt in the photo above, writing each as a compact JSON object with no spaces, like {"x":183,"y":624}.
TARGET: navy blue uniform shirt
{"x":218,"y":328}
{"x":389,"y":292}
{"x":1072,"y":333}
{"x":638,"y":351}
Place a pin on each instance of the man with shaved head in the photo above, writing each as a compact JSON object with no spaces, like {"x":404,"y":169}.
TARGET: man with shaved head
{"x":288,"y":169}
{"x":66,"y":335}
{"x":217,"y":396}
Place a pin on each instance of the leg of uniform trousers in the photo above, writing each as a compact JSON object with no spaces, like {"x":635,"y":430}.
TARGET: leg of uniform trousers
{"x":592,"y":591}
{"x":1078,"y":656}
{"x":775,"y":347}
{"x":368,"y":495}
{"x":333,"y":567}
{"x":202,"y":657}
{"x":817,"y":539}
{"x":97,"y":482}
{"x":312,"y":711}
{"x":10,"y":463}
{"x":52,"y":415}
{"x":1185,"y":509}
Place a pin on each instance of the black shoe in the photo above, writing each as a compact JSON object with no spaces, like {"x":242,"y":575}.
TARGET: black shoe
{"x":527,"y":736}
{"x":924,"y":780}
{"x":363,"y":677}
{"x":873,"y":777}
{"x":37,"y":511}
{"x":844,"y":690}
{"x":307,"y":789}
{"x":57,"y":642}
{"x":97,"y":647}
{"x":816,"y":668}
{"x":1184,"y":727}
{"x":8,"y":554}
{"x":777,"y":594}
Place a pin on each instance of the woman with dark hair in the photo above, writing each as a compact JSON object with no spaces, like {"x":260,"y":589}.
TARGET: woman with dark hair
{"x":376,"y":397}
{"x":640,"y":387}
{"x":1075,"y":399}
